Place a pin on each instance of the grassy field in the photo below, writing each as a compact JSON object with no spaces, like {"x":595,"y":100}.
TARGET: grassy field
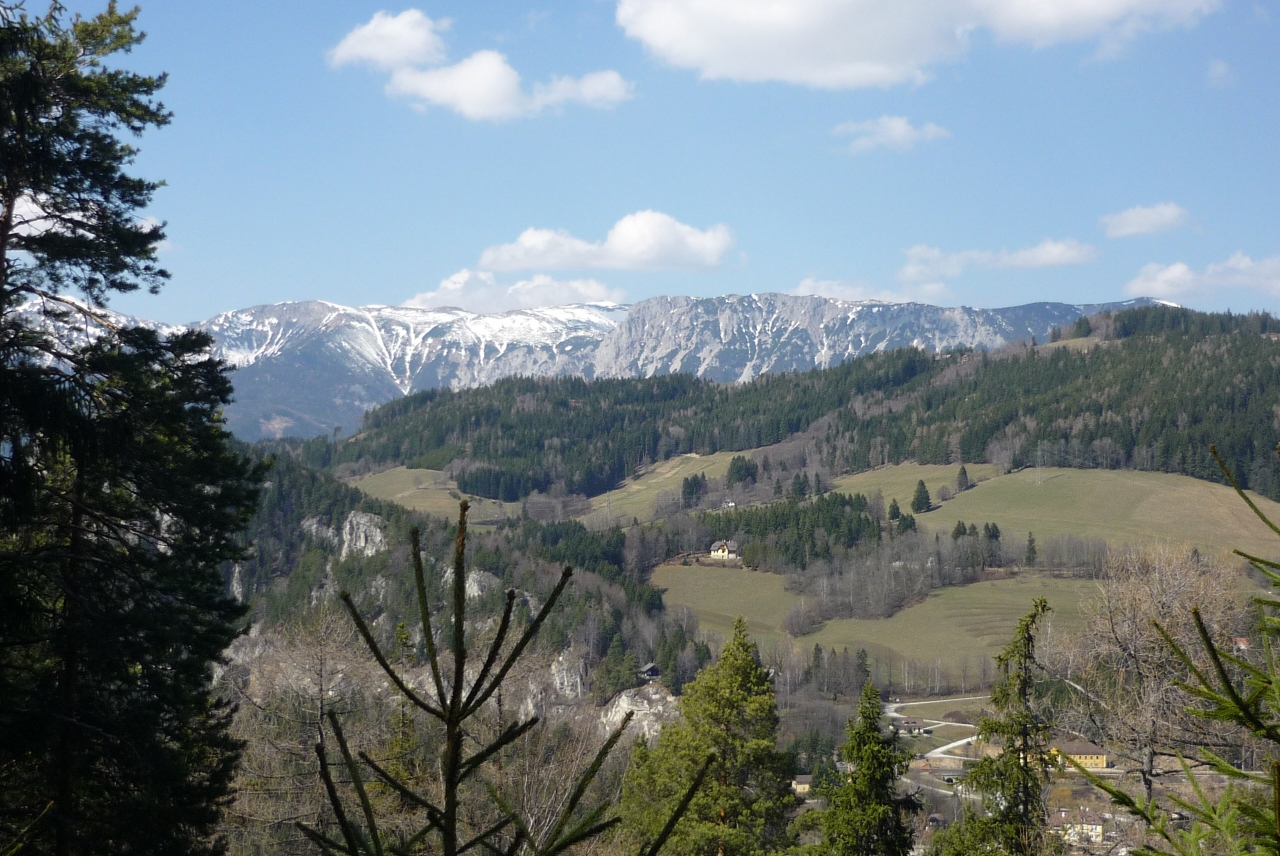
{"x":951,"y":625}
{"x":900,"y":481}
{"x":432,"y":492}
{"x":1120,"y":506}
{"x":637,"y":498}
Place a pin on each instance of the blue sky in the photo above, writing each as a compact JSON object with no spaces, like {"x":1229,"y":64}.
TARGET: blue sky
{"x":977,"y":152}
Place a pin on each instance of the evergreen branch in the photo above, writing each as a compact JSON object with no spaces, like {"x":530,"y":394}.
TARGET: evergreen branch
{"x":327,"y":844}
{"x":358,"y":782}
{"x":16,"y":846}
{"x":372,"y":644}
{"x":523,"y":833}
{"x":424,"y":610}
{"x":513,"y":732}
{"x":530,"y":632}
{"x":348,"y":833}
{"x":435,"y":817}
{"x":587,"y":777}
{"x":503,"y":627}
{"x":683,"y":806}
{"x":1243,"y":711}
{"x":1257,"y":561}
{"x":1231,"y":479}
{"x":406,"y":847}
{"x":487,"y":834}
{"x":582,"y":832}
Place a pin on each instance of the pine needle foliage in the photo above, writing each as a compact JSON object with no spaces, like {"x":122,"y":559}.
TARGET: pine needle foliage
{"x":1245,"y":818}
{"x":866,"y":813}
{"x":457,"y":696}
{"x":1012,"y":783}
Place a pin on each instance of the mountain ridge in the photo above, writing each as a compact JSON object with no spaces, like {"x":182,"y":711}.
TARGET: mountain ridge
{"x":310,"y":367}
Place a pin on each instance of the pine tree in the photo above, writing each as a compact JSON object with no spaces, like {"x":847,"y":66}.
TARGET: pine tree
{"x":921,"y":502}
{"x":1012,"y":783}
{"x":459,"y":811}
{"x":894,"y":511}
{"x":728,"y":709}
{"x":120,"y":493}
{"x":1031,"y":550}
{"x":962,"y":480}
{"x":866,"y":815}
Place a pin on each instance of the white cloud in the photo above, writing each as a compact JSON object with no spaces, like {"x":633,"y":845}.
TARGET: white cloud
{"x":484,"y":86}
{"x":932,"y":292}
{"x":479,"y":291}
{"x":1219,"y":74}
{"x":1144,"y":220}
{"x":839,"y":44}
{"x":1179,"y":280}
{"x":887,"y":132}
{"x":930,"y":264}
{"x":389,"y":42}
{"x":646,"y":240}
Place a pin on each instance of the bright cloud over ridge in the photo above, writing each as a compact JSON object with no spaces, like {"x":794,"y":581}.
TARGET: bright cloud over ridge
{"x":845,"y":44}
{"x":484,"y":86}
{"x":928,"y":264}
{"x":646,"y":240}
{"x":1144,"y":220}
{"x":857,"y":292}
{"x":1180,"y":280}
{"x":480,"y":291}
{"x":887,"y":132}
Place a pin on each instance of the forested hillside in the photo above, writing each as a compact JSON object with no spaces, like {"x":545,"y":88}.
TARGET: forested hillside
{"x":1156,"y":386}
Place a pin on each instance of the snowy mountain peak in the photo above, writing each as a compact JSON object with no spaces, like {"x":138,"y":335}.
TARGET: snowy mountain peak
{"x":305,"y":367}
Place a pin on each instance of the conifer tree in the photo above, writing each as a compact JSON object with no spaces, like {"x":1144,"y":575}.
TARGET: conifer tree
{"x":921,"y":502}
{"x":866,"y":814}
{"x":728,"y":709}
{"x":461,"y":810}
{"x":1012,"y":783}
{"x":120,"y":493}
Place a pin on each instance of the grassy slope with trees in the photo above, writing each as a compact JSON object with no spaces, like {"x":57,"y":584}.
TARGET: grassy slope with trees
{"x":1166,"y":382}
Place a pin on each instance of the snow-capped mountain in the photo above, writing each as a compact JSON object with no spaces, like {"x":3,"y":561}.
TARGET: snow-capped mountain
{"x":737,"y":338}
{"x":306,"y":368}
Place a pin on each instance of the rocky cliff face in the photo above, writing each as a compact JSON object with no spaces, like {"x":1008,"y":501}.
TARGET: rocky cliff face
{"x":652,"y":706}
{"x":306,"y":368}
{"x":363,"y":534}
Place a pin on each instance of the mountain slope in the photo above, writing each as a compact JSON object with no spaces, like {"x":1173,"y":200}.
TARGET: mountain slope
{"x":305,"y":368}
{"x":1151,"y":391}
{"x":738,"y":338}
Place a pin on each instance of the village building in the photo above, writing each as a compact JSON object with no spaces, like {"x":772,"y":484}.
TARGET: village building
{"x":910,"y":725}
{"x":724,"y":550}
{"x":1077,"y":827}
{"x":1083,"y":752}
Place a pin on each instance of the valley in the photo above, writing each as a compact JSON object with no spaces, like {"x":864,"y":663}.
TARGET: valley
{"x":956,"y":629}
